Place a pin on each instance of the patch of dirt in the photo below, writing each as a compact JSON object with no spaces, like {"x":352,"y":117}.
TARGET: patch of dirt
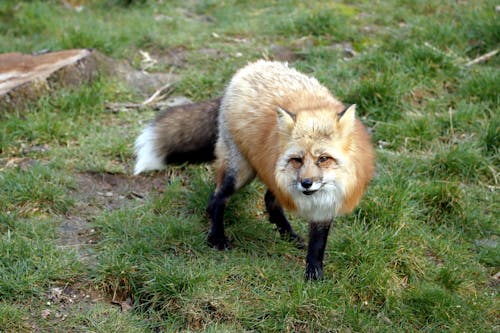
{"x":111,"y":191}
{"x":97,"y":192}
{"x":283,"y":53}
{"x":70,"y":294}
{"x":203,"y":312}
{"x":296,"y":50}
{"x":66,"y":301}
{"x":76,"y":233}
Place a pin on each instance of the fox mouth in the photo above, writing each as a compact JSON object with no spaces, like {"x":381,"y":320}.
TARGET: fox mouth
{"x":309,"y":192}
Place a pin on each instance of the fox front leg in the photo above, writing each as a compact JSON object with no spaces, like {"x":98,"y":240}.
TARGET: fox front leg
{"x":318,"y":235}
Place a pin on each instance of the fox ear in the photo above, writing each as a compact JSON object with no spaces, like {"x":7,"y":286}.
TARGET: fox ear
{"x":285,"y":113}
{"x":347,"y":117}
{"x":286,"y":119}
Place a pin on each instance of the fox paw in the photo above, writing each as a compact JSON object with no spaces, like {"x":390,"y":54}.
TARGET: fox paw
{"x":313,"y":272}
{"x":219,"y":242}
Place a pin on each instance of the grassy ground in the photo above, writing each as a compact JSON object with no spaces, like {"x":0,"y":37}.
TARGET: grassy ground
{"x":419,"y":254}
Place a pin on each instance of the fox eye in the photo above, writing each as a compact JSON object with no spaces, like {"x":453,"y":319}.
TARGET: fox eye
{"x":326,"y":161}
{"x":296,"y":162}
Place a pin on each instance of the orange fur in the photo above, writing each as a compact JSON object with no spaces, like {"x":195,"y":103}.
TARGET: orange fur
{"x":363,"y":156}
{"x":249,"y":118}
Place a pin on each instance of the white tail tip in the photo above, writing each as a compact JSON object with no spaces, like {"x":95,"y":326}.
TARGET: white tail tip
{"x":147,"y":157}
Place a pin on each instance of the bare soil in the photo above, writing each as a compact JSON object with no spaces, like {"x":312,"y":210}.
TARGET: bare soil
{"x":97,"y":192}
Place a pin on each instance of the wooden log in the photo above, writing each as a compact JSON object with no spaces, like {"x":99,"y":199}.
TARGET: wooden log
{"x":24,"y":78}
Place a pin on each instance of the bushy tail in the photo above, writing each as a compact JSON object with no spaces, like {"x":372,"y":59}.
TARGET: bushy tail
{"x":184,"y":133}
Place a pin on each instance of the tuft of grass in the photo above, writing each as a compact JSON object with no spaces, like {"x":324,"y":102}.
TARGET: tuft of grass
{"x":459,"y":163}
{"x":442,"y":201}
{"x":488,"y":255}
{"x":39,"y":189}
{"x":13,"y":318}
{"x":431,"y":305}
{"x":491,"y":137}
{"x":103,"y":318}
{"x":378,"y":97}
{"x":481,"y":87}
{"x":30,"y":259}
{"x":449,"y":279}
{"x":325,"y":22}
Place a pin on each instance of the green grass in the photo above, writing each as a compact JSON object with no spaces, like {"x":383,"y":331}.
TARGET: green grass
{"x":418,"y":254}
{"x":30,"y":259}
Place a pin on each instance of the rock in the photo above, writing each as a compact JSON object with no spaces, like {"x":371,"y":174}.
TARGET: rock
{"x":491,"y":242}
{"x":45,"y":313}
{"x":495,"y":280}
{"x":283,"y":53}
{"x":141,"y":82}
{"x":346,"y":48}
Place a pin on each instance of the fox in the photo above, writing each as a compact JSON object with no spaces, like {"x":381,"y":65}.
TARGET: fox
{"x":283,"y":127}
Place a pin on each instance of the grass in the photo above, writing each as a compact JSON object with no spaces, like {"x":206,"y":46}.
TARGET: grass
{"x":419,"y":254}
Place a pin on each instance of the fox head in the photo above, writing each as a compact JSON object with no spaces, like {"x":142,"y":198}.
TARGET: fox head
{"x":315,"y":166}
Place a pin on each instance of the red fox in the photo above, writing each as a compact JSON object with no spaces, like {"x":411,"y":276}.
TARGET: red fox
{"x":273,"y":122}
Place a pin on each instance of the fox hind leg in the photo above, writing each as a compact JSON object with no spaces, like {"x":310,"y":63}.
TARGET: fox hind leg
{"x":277,"y":216}
{"x":215,"y":209}
{"x":233,"y":172}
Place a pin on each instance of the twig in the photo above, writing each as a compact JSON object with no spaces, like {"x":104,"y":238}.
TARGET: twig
{"x":483,"y":58}
{"x":156,"y":96}
{"x":123,"y":107}
{"x":448,"y":54}
{"x":450,"y":112}
{"x":147,"y":60}
{"x":155,"y":102}
{"x":129,"y":107}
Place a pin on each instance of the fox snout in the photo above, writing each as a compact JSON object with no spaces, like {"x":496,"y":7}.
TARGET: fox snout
{"x":309,"y":185}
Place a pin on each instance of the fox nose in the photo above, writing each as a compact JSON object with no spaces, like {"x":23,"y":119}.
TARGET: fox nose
{"x":306,"y":183}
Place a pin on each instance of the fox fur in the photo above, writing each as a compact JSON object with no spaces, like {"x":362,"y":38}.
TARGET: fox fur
{"x":184,"y":133}
{"x":284,"y":127}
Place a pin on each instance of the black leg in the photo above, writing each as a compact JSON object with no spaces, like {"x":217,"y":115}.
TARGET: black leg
{"x":318,"y":235}
{"x":215,"y":209}
{"x":277,"y":216}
